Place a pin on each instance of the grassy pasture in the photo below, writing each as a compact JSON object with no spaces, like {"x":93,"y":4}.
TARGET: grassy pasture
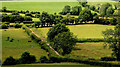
{"x":53,"y":65}
{"x":19,"y":45}
{"x":81,"y":31}
{"x":91,"y":50}
{"x":50,"y":7}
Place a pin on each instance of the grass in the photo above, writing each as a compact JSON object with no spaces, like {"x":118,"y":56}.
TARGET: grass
{"x":19,"y":45}
{"x":81,"y":31}
{"x":91,"y":50}
{"x":53,"y":65}
{"x":50,"y":7}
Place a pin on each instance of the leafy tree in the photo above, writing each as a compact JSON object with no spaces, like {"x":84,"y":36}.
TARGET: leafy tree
{"x":37,"y":24}
{"x":28,"y":14}
{"x":37,"y":15}
{"x":15,"y":13}
{"x":27,"y":18}
{"x":113,"y":21}
{"x":59,"y":28}
{"x":85,"y":15}
{"x":43,"y":59}
{"x":92,"y":8}
{"x":64,"y":41}
{"x":26,"y":58}
{"x":109,"y":11}
{"x":103,"y":8}
{"x":4,"y":26}
{"x":44,"y":18}
{"x":10,"y":61}
{"x":66,"y":10}
{"x":84,"y":4}
{"x":76,"y":10}
{"x":112,"y":38}
{"x":17,"y":25}
{"x":4,"y":9}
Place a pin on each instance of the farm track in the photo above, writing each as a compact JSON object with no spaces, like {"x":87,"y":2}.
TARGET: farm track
{"x":43,"y":40}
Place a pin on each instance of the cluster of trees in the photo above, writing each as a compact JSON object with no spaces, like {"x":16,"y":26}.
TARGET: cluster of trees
{"x":14,"y":18}
{"x":61,"y":38}
{"x":74,"y":11}
{"x":25,"y":58}
{"x":112,"y":38}
{"x":113,"y":21}
{"x":106,"y":9}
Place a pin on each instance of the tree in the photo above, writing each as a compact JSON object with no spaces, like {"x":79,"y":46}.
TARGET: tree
{"x":92,"y":8}
{"x":76,"y":10}
{"x":65,"y":10}
{"x":59,"y":28}
{"x":4,"y":9}
{"x":4,"y":26}
{"x":64,"y":42}
{"x":37,"y":24}
{"x":109,"y":11}
{"x":84,"y":4}
{"x":44,"y":18}
{"x":26,"y":58}
{"x":10,"y":61}
{"x":112,"y":38}
{"x":103,"y":8}
{"x":85,"y":15}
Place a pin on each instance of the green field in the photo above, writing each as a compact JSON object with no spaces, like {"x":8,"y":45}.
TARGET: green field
{"x":50,"y":7}
{"x":19,"y":45}
{"x":81,"y":31}
{"x":53,"y":65}
{"x":91,"y":50}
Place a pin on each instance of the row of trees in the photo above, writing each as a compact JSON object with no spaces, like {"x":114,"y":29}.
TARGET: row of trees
{"x":106,"y":9}
{"x":75,"y":10}
{"x":14,"y":18}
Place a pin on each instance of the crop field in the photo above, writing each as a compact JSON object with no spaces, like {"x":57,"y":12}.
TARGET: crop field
{"x":81,"y":31}
{"x":19,"y":45}
{"x":38,"y":6}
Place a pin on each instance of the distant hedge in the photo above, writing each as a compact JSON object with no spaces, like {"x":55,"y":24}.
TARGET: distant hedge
{"x":90,"y":40}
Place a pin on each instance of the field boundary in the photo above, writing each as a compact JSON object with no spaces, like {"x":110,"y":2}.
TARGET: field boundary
{"x":39,"y":39}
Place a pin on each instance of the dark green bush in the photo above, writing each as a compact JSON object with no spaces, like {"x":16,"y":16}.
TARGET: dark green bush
{"x":4,"y":26}
{"x":26,"y":58}
{"x":10,"y":61}
{"x":108,"y":59}
{"x":43,"y":59}
{"x":28,"y":14}
{"x":17,"y":25}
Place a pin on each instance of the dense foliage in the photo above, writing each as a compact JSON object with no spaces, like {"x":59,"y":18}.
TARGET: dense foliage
{"x":112,"y":38}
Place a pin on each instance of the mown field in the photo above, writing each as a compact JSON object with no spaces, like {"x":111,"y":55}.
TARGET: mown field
{"x":91,"y":50}
{"x":81,"y":31}
{"x":50,"y":7}
{"x":19,"y":45}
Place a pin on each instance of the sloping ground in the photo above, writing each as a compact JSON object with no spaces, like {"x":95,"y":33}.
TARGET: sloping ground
{"x":19,"y":45}
{"x":91,"y":50}
{"x":81,"y":31}
{"x":50,"y":7}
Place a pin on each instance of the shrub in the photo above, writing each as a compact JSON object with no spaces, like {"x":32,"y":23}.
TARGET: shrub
{"x":108,"y":59}
{"x":15,"y":13}
{"x":43,"y":59}
{"x":26,"y":58}
{"x":27,"y":19}
{"x":4,"y":26}
{"x":28,"y":14}
{"x":10,"y":61}
{"x":17,"y":25}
